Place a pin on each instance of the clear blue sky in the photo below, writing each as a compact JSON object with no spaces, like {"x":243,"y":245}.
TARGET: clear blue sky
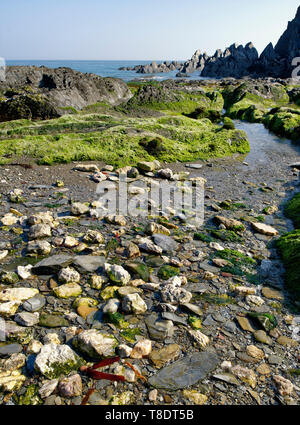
{"x":136,"y":29}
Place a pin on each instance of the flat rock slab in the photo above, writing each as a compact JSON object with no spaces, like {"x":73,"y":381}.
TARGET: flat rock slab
{"x":194,"y":166}
{"x":52,"y":264}
{"x":89,"y":263}
{"x":185,"y":372}
{"x":165,"y":242}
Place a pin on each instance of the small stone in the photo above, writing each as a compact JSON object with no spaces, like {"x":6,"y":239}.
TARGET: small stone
{"x":54,"y":360}
{"x":35,"y":303}
{"x":168,"y":353}
{"x":39,"y":247}
{"x":255,"y":352}
{"x":262,"y":337}
{"x":133,"y":303}
{"x":230,"y":223}
{"x":141,"y":349}
{"x":39,"y":231}
{"x":34,"y":347}
{"x":124,"y":351}
{"x":48,"y":388}
{"x":68,"y":290}
{"x":263,"y":369}
{"x":152,"y":396}
{"x":244,"y":290}
{"x":51,"y":338}
{"x":93,"y":236}
{"x":264,"y":229}
{"x":68,"y":274}
{"x":95,"y":344}
{"x":175,"y":295}
{"x":285,"y":387}
{"x":254,"y":299}
{"x":111,"y":306}
{"x":79,"y":208}
{"x":97,"y":281}
{"x":116,"y":219}
{"x":245,"y":374}
{"x":71,"y":386}
{"x":117,"y":274}
{"x":199,"y":337}
{"x":17,"y":294}
{"x":27,"y":319}
{"x":195,"y":397}
{"x":9,"y":308}
{"x":272,"y":294}
{"x":70,"y":242}
{"x":287,"y":342}
{"x":245,"y":324}
{"x":85,"y":310}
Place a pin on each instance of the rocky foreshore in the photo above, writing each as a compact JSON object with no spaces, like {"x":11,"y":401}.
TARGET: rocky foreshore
{"x":182,"y":314}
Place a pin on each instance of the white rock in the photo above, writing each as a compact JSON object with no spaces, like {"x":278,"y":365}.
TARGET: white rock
{"x":17,"y":294}
{"x":133,"y":303}
{"x":124,"y":350}
{"x":264,"y":229}
{"x":48,"y":388}
{"x":52,"y":355}
{"x":34,"y":347}
{"x":117,"y":274}
{"x":216,"y":246}
{"x":24,"y":272}
{"x":51,"y":338}
{"x":39,"y":231}
{"x":9,"y":308}
{"x":111,"y":306}
{"x":199,"y":337}
{"x":68,"y":274}
{"x":3,"y":254}
{"x":142,"y":348}
{"x":95,"y":343}
{"x":9,"y":219}
{"x":78,"y":208}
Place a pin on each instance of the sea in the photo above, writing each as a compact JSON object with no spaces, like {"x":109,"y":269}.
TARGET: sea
{"x":104,"y":68}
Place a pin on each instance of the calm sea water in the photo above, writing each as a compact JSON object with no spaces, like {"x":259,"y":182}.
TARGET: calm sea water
{"x":102,"y":68}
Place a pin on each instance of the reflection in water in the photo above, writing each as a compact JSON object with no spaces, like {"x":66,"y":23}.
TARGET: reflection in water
{"x":263,"y":143}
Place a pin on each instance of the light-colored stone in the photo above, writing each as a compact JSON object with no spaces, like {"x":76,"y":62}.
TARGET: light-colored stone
{"x":71,"y":386}
{"x":199,"y":337}
{"x":17,"y":294}
{"x":133,"y":303}
{"x":244,"y":374}
{"x":78,"y":208}
{"x":117,"y":274}
{"x":264,"y":229}
{"x":39,"y":231}
{"x":48,"y":388}
{"x":54,"y":360}
{"x":68,"y":290}
{"x":95,"y":343}
{"x":285,"y":387}
{"x":9,"y":308}
{"x":245,"y":290}
{"x":195,"y":397}
{"x":68,"y":274}
{"x":255,"y":352}
{"x":141,"y":349}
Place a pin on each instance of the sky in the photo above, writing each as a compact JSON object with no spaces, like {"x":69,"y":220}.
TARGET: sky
{"x":136,"y":29}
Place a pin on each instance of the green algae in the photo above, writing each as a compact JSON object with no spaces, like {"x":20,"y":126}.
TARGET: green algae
{"x":130,"y":334}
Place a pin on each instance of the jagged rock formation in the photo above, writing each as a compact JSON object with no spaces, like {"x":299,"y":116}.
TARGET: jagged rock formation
{"x":233,"y":62}
{"x":41,"y":93}
{"x":153,"y":68}
{"x":237,"y":61}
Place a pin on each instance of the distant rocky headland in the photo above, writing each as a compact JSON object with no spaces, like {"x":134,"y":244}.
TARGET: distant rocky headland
{"x":238,"y":61}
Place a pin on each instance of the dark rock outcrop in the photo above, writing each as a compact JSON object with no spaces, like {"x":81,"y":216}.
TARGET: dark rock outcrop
{"x":238,"y":61}
{"x":41,"y":93}
{"x":233,"y":62}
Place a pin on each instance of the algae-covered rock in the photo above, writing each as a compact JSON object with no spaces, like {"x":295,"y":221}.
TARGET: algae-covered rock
{"x":95,"y":344}
{"x":55,"y":360}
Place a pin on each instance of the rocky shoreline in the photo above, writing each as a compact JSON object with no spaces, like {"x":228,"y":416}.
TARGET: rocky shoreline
{"x":238,"y":61}
{"x":161,"y":295}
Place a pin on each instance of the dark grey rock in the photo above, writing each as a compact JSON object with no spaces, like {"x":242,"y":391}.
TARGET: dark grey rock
{"x":35,"y":303}
{"x":7,"y":350}
{"x":185,"y":372}
{"x":88,"y":263}
{"x":52,"y":264}
{"x":165,"y":242}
